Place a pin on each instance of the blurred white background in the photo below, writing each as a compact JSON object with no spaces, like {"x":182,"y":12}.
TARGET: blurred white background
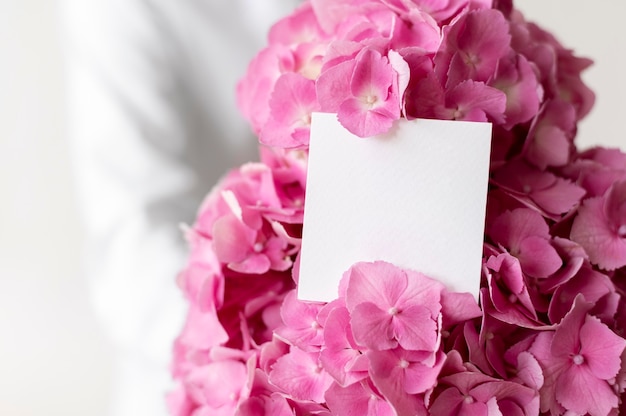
{"x":54,"y":359}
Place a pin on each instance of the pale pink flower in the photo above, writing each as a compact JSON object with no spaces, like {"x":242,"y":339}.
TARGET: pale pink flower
{"x":340,"y":355}
{"x":331,"y":13}
{"x":299,"y":27}
{"x":291,"y":104}
{"x":254,"y":90}
{"x":441,"y":10}
{"x":301,"y":325}
{"x":370,"y":102}
{"x":218,"y":387}
{"x":402,"y":376}
{"x":391,"y":306}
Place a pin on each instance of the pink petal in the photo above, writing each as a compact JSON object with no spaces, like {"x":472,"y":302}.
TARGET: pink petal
{"x":300,"y":376}
{"x":203,"y":329}
{"x":219,"y":384}
{"x":380,"y":283}
{"x":356,"y":400}
{"x":482,"y":38}
{"x":615,"y":207}
{"x":579,"y":391}
{"x":257,"y":263}
{"x":519,"y":82}
{"x":538,"y":257}
{"x":559,"y":198}
{"x":566,"y":340}
{"x":550,"y":147}
{"x":291,"y":104}
{"x":372,"y":76}
{"x":415,"y":329}
{"x":372,"y":327}
{"x":404,"y":372}
{"x":232,"y":239}
{"x":332,"y":86}
{"x":529,"y":371}
{"x":475,"y":101}
{"x":301,"y":327}
{"x":592,"y":231}
{"x":458,"y":307}
{"x":364,"y":122}
{"x":513,"y":227}
{"x":601,"y":348}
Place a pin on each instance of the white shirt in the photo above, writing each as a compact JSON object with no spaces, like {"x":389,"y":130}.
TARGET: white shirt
{"x":153,"y":124}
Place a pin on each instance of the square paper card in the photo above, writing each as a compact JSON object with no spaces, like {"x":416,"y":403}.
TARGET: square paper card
{"x":414,"y":197}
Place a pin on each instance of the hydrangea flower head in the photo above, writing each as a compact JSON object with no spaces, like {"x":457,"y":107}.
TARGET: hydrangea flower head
{"x":544,"y":333}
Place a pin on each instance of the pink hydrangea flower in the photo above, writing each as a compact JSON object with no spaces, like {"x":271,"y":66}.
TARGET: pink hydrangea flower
{"x":600,"y":228}
{"x":548,"y":332}
{"x":390,"y":307}
{"x":549,"y":194}
{"x":476,"y":394}
{"x":580,"y":360}
{"x":370,"y":102}
{"x":525,"y":234}
{"x":472,"y":46}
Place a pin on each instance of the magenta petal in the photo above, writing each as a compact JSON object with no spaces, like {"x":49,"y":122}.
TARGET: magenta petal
{"x":615,"y":207}
{"x":475,"y":101}
{"x":513,"y":227}
{"x":559,"y":198}
{"x":538,"y":258}
{"x":529,"y":371}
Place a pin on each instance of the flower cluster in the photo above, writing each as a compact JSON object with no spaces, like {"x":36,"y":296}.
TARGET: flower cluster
{"x":375,"y":61}
{"x":547,"y":333}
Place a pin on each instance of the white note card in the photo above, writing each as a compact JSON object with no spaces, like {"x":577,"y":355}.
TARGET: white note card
{"x":414,"y":197}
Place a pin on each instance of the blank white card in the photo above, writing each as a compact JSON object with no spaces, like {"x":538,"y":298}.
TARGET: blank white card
{"x":415,"y":197}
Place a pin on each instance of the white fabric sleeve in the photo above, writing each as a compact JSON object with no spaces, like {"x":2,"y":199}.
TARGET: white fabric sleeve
{"x":153,"y":124}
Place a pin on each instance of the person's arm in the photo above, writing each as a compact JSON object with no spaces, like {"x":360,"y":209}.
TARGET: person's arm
{"x":153,"y":125}
{"x":130,"y":145}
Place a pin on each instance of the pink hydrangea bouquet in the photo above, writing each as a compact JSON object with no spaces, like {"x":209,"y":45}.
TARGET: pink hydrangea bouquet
{"x":547,"y":333}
